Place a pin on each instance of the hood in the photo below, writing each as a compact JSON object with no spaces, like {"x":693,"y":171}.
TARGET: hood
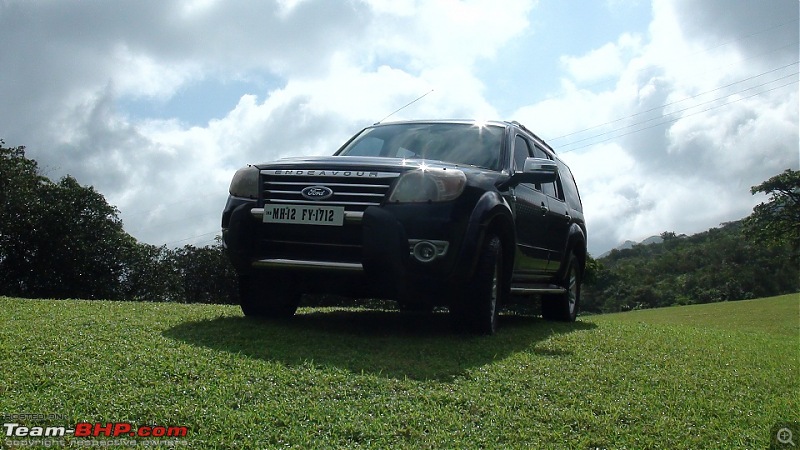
{"x":475,"y":175}
{"x":361,"y":163}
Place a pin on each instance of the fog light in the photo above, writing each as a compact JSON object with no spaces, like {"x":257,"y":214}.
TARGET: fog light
{"x":425,"y":251}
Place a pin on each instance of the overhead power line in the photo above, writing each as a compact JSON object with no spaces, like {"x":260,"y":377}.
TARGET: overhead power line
{"x":671,"y":120}
{"x":676,"y":102}
{"x":723,"y":44}
{"x":193,"y":237}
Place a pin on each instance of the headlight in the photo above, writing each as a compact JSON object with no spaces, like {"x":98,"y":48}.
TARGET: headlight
{"x":429,"y":185}
{"x":245,"y":183}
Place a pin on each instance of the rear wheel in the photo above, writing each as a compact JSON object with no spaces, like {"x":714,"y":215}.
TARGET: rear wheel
{"x":564,"y":307}
{"x":483,"y":296}
{"x":267,"y":298}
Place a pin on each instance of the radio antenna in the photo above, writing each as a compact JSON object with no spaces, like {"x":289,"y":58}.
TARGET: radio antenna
{"x":404,"y":106}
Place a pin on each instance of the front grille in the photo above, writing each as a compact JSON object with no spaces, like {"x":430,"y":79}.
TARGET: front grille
{"x":355,"y":190}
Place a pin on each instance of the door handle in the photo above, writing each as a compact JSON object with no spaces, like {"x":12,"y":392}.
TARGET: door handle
{"x":545,"y":209}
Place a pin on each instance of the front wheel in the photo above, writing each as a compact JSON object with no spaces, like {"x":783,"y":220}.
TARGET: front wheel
{"x":267,"y":298}
{"x":480,"y":304}
{"x":564,"y":307}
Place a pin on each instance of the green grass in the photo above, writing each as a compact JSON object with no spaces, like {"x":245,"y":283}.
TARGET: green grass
{"x":705,"y":376}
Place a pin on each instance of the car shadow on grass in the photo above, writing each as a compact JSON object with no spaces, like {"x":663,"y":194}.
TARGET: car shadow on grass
{"x":385,"y":343}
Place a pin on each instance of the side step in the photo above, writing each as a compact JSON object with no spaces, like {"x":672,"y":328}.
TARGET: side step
{"x":538,"y":289}
{"x":308,"y":265}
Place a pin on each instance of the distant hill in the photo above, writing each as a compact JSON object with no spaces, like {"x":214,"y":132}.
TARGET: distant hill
{"x":629,"y":244}
{"x":720,"y":264}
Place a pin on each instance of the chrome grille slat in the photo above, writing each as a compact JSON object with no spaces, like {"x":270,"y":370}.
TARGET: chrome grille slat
{"x":356,"y":193}
{"x":349,"y":194}
{"x":273,"y":191}
{"x":317,"y":202}
{"x":297,"y":246}
{"x":305,"y":183}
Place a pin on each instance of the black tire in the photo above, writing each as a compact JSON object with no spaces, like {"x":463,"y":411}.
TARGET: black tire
{"x":564,"y":307}
{"x":484,"y":294}
{"x":267,"y":298}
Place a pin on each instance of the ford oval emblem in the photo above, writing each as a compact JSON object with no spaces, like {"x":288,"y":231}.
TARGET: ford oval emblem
{"x":317,"y":193}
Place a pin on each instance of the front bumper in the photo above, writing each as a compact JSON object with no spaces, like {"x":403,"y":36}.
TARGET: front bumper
{"x":390,"y":251}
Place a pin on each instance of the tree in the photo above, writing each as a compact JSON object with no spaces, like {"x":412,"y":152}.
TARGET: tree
{"x":716,"y":265}
{"x":61,"y":240}
{"x":150,"y":274}
{"x":776,"y":221}
{"x":207,"y":274}
{"x":56,"y":239}
{"x":20,"y":187}
{"x":80,"y":248}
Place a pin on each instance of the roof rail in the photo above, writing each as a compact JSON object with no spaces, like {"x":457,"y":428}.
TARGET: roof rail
{"x":514,"y":122}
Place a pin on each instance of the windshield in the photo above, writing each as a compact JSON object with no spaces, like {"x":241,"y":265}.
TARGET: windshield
{"x":456,"y":143}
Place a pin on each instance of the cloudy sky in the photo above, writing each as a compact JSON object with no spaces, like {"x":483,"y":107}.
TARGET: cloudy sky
{"x":667,"y":111}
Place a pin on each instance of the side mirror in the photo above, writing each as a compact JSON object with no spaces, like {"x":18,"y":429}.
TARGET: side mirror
{"x":535,"y":171}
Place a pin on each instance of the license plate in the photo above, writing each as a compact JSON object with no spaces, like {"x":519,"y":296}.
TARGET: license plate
{"x":304,"y":214}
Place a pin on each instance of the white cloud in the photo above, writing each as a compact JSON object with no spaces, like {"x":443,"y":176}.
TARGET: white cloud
{"x":561,"y":119}
{"x":304,"y":117}
{"x":446,"y":32}
{"x":601,"y":63}
{"x":140,"y":75}
{"x":341,"y":65}
{"x":689,"y":126}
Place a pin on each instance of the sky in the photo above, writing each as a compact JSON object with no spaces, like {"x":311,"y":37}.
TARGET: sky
{"x":667,"y":111}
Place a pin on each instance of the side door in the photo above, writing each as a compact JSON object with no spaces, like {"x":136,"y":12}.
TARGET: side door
{"x":558,"y":218}
{"x":530,"y":209}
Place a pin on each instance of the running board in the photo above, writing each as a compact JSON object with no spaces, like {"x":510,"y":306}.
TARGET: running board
{"x":543,"y":289}
{"x":305,"y":264}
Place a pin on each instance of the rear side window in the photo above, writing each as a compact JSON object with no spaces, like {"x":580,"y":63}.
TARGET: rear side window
{"x":571,"y":192}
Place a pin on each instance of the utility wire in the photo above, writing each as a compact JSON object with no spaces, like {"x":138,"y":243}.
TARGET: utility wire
{"x":680,"y":110}
{"x":633,"y":115}
{"x":709,"y":49}
{"x":674,"y":120}
{"x":674,"y":102}
{"x":619,"y":129}
{"x":190,"y":238}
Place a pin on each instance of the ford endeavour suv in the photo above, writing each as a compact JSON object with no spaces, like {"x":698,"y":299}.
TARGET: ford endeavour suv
{"x":461,"y":214}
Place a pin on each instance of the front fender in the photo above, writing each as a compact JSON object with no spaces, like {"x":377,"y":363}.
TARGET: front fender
{"x":239,"y":233}
{"x":491,"y":212}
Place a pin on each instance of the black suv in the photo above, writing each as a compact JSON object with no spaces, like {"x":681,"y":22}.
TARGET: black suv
{"x":463,"y":214}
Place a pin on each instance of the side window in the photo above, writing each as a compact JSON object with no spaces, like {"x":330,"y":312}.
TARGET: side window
{"x":522,"y":151}
{"x":539,"y":153}
{"x":559,"y":189}
{"x":547,"y":188}
{"x":570,"y":188}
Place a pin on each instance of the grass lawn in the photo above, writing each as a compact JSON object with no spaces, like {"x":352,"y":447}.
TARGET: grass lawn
{"x":705,"y":376}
